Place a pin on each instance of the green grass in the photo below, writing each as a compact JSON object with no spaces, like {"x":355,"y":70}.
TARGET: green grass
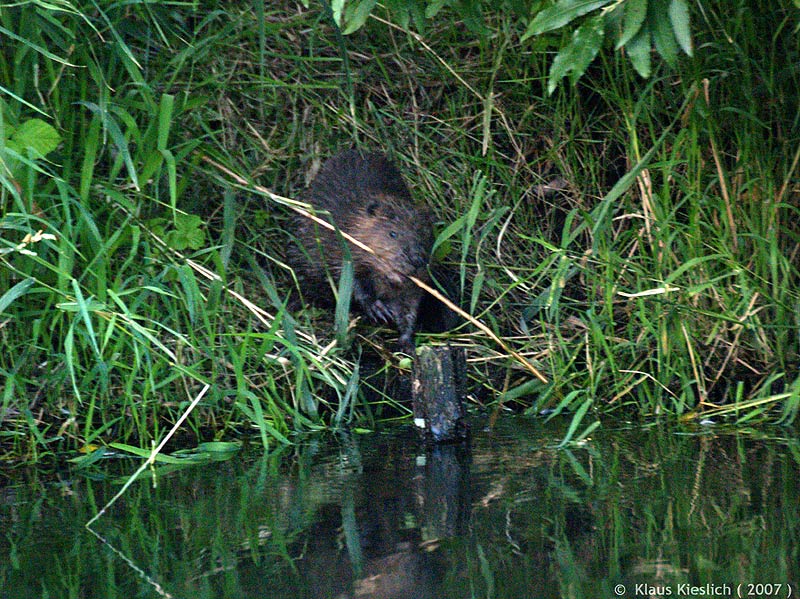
{"x":660,"y":281}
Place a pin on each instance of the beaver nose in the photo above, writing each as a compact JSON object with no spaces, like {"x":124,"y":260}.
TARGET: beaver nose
{"x":417,"y":259}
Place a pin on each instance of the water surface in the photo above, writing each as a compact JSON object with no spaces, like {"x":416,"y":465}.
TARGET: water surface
{"x":380,"y":516}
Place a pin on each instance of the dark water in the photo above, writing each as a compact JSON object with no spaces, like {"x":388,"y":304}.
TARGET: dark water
{"x":378,"y":516}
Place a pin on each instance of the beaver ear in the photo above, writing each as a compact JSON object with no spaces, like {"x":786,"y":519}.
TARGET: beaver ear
{"x":372,"y":208}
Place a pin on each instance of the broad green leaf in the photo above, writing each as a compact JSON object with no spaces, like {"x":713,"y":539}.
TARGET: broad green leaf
{"x":84,"y":308}
{"x":91,"y":148}
{"x":187,"y":223}
{"x":447,"y":234}
{"x":220,"y":447}
{"x":577,"y":417}
{"x":587,"y":39}
{"x":560,"y":14}
{"x":8,"y":92}
{"x":356,"y":15}
{"x":417,"y":11}
{"x":613,"y":17}
{"x":587,"y":431}
{"x":434,"y":6}
{"x":663,"y":37}
{"x":576,"y":56}
{"x":216,"y":451}
{"x":195,"y":239}
{"x":337,"y":6}
{"x":477,"y":287}
{"x":112,"y":127}
{"x":43,"y":51}
{"x":342,"y":312}
{"x":679,"y":16}
{"x":182,"y":238}
{"x":15,"y":292}
{"x":401,"y":9}
{"x":147,"y":453}
{"x":638,"y":50}
{"x":471,"y":13}
{"x":165,"y":111}
{"x":37,"y":135}
{"x":562,"y":64}
{"x":91,"y":305}
{"x":188,"y":232}
{"x":635,"y":13}
{"x":194,"y":298}
{"x":94,"y":455}
{"x":527,"y":388}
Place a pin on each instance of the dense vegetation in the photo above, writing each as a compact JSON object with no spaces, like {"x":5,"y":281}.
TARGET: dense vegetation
{"x":634,"y":239}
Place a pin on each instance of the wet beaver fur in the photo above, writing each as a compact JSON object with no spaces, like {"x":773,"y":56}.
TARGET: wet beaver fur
{"x":367,"y":198}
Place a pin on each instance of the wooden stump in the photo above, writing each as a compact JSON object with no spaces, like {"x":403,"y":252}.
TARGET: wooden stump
{"x":438,"y":390}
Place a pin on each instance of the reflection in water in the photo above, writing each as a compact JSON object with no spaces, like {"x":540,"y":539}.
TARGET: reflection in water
{"x":379,"y":516}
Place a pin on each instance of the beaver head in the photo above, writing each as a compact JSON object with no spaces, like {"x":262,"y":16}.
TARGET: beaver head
{"x":398,"y":233}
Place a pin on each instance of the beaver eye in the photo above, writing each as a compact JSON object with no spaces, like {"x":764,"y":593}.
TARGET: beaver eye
{"x":393,"y":234}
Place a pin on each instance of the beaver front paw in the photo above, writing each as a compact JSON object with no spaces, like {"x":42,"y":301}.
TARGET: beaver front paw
{"x":380,"y":312}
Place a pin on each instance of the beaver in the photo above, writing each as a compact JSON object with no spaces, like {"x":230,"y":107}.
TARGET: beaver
{"x":367,"y":199}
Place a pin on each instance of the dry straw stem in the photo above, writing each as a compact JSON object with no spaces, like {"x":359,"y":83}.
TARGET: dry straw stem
{"x":146,"y":464}
{"x":474,"y":321}
{"x":297,"y":207}
{"x":151,"y":459}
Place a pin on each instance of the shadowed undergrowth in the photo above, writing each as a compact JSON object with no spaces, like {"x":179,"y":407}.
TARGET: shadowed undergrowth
{"x":635,"y":240}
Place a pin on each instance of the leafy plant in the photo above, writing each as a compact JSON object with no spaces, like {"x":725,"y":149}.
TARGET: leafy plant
{"x":24,"y":144}
{"x":637,"y":26}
